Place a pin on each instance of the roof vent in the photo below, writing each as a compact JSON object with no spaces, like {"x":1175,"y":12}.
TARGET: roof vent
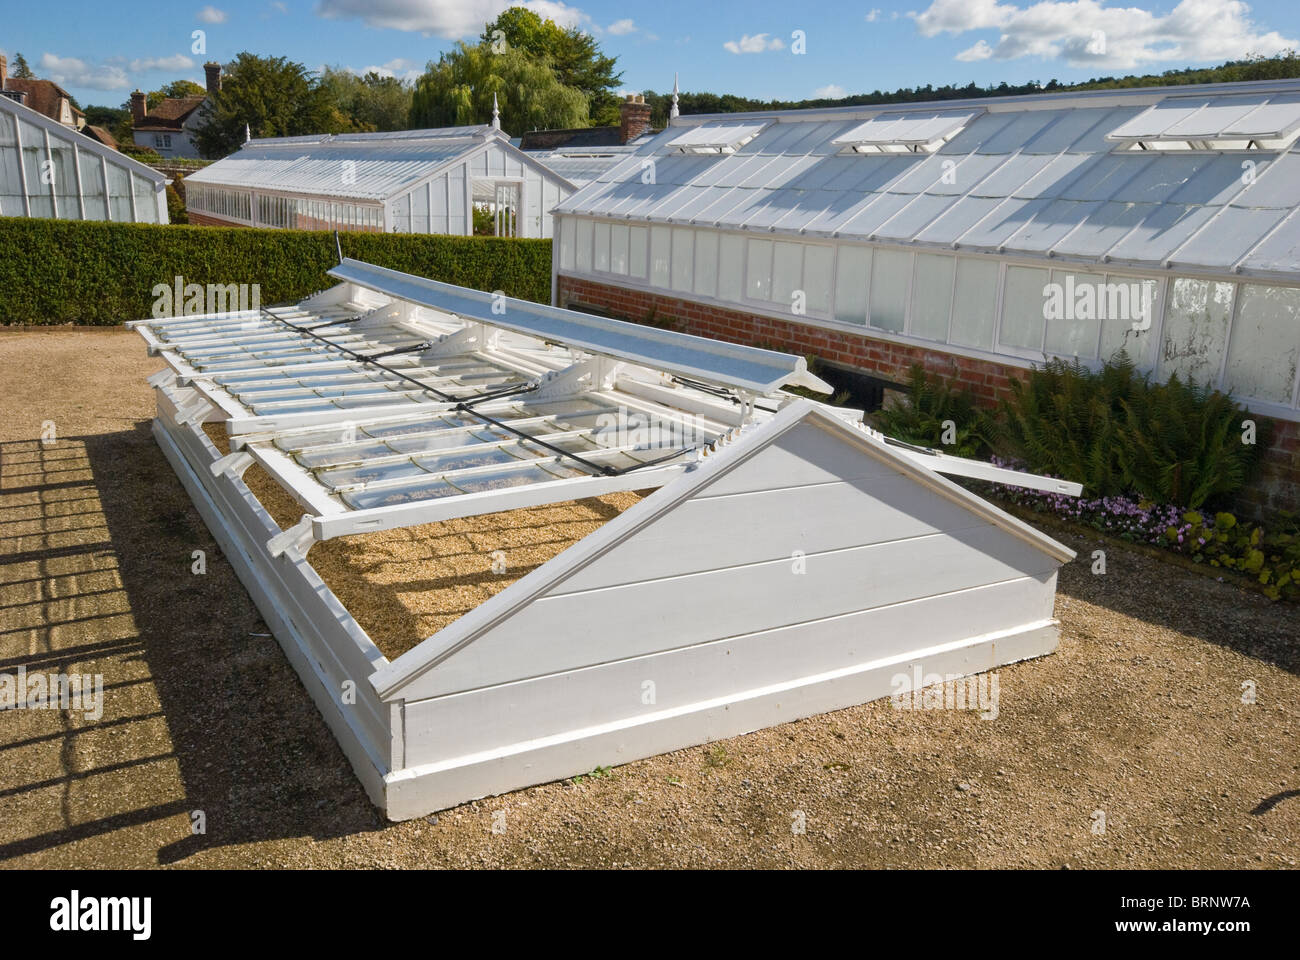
{"x":915,"y":132}
{"x":1256,"y":122}
{"x":717,"y":137}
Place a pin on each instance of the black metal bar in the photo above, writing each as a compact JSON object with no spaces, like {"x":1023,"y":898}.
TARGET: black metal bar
{"x":338,"y":246}
{"x":650,"y":463}
{"x":413,"y":348}
{"x":332,"y":323}
{"x":484,"y":397}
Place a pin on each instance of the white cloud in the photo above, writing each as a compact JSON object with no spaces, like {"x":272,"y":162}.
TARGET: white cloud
{"x":1087,"y":33}
{"x":832,"y":91}
{"x":211,"y":15}
{"x":175,"y":63}
{"x":451,"y":19}
{"x":399,"y":67}
{"x":72,"y":72}
{"x":873,"y":15}
{"x":758,"y":43}
{"x":621,"y":27}
{"x":279,"y":7}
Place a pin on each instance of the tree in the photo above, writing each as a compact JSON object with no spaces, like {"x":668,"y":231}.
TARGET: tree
{"x":273,"y":96}
{"x":458,"y":89}
{"x":21,"y":69}
{"x":574,"y":56}
{"x":177,"y":88}
{"x":370,"y":102}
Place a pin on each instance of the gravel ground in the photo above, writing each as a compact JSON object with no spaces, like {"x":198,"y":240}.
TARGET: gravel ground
{"x":1136,"y":724}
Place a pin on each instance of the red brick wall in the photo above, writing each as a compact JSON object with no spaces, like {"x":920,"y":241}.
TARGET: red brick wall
{"x":205,"y":220}
{"x":1276,"y":488}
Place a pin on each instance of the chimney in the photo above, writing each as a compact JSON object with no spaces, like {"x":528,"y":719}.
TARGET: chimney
{"x":213,"y":72}
{"x":138,"y":106}
{"x":634,"y":117}
{"x":4,"y":70}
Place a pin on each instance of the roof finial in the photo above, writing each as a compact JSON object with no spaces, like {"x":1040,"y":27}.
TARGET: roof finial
{"x":248,"y":134}
{"x":673,"y":111}
{"x":496,"y":114}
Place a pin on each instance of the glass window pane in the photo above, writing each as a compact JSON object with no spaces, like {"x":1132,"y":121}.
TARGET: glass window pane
{"x":706,"y":263}
{"x":401,"y":214}
{"x":1074,"y":305}
{"x":567,"y":229}
{"x":119,"y":194}
{"x":852,"y":276}
{"x":582,"y":247}
{"x":618,"y":237}
{"x":787,"y":272}
{"x":731,"y":266}
{"x":92,"y":186}
{"x":1196,"y":330}
{"x":1022,"y":308}
{"x":11,"y":184}
{"x":1265,"y":344}
{"x":891,"y":272}
{"x":420,"y":210}
{"x":974,"y":303}
{"x":34,"y":159}
{"x":636,"y":252}
{"x":683,"y":258}
{"x":932,"y":296}
{"x":1128,"y":302}
{"x":600,"y":246}
{"x":660,"y":255}
{"x":146,"y":201}
{"x":758,"y":269}
{"x":818,"y":264}
{"x":64,"y":172}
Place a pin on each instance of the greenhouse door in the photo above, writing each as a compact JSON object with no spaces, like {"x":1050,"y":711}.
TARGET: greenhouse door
{"x":505,"y":210}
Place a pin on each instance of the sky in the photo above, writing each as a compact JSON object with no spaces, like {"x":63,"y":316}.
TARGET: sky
{"x":100,"y":50}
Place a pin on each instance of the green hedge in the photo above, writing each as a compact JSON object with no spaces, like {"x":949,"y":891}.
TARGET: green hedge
{"x":66,"y":271}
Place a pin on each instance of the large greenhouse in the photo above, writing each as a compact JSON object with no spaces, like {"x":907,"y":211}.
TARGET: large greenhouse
{"x":979,"y":236}
{"x":413,"y":181}
{"x":48,"y":169}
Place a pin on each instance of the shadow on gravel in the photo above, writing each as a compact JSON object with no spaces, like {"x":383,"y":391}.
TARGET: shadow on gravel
{"x":199,"y":714}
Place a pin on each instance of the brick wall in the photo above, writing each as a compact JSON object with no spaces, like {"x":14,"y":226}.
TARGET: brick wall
{"x":206,"y":220}
{"x":1276,"y":488}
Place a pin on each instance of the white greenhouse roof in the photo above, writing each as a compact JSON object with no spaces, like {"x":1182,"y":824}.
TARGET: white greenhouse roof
{"x":1039,"y":176}
{"x":380,"y":410}
{"x":383,"y":164}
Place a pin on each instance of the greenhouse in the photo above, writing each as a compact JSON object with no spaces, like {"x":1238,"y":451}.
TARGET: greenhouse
{"x":989,"y":234}
{"x":413,"y":181}
{"x":543,"y":541}
{"x":48,"y":169}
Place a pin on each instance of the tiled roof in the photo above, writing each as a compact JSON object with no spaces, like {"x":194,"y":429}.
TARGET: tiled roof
{"x":171,"y":114}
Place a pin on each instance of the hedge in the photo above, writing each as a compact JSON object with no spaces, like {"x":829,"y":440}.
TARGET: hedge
{"x":67,"y":271}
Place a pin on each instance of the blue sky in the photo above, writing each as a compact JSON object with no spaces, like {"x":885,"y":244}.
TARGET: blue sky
{"x":102,"y":50}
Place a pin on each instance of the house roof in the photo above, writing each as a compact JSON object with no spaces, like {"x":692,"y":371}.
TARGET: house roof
{"x":100,"y":134}
{"x":43,"y":96}
{"x":1060,"y":177}
{"x":170,"y":114}
{"x":385,"y":163}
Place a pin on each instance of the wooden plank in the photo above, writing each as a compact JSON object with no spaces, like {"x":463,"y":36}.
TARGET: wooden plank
{"x":444,"y":727}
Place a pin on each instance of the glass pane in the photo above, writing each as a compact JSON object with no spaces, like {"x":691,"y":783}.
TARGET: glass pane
{"x":787,"y":272}
{"x":758,"y":270}
{"x":1022,"y":308}
{"x":600,"y":241}
{"x":11,"y":184}
{"x":1074,"y":305}
{"x":1128,"y":307}
{"x":119,"y":193}
{"x":891,"y":272}
{"x":618,"y":237}
{"x":818,"y":264}
{"x":92,"y":186}
{"x":582,"y":247}
{"x":64,"y":172}
{"x":146,"y":200}
{"x":706,"y":263}
{"x":660,"y":255}
{"x":636,"y":252}
{"x":567,"y":229}
{"x":974,"y":303}
{"x":1196,"y":330}
{"x":36,"y":169}
{"x":1265,"y":344}
{"x":932,"y":296}
{"x":852,"y":276}
{"x":731,"y":266}
{"x":683,"y":258}
{"x":420,"y":210}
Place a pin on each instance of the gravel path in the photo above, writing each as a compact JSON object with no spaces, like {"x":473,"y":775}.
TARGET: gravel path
{"x":1136,"y":725}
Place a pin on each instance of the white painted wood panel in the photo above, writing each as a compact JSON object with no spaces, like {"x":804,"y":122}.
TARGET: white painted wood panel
{"x":454,"y":725}
{"x":806,"y":453}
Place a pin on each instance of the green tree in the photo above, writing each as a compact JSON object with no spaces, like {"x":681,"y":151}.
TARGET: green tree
{"x":574,"y":56}
{"x":370,"y":102}
{"x":21,"y":69}
{"x":273,"y":96}
{"x":458,"y":89}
